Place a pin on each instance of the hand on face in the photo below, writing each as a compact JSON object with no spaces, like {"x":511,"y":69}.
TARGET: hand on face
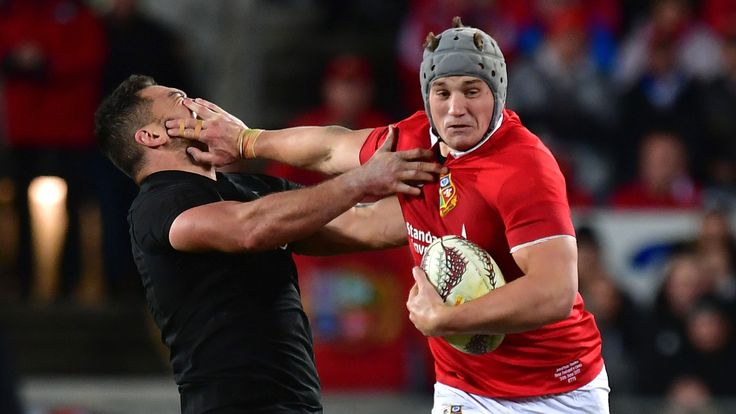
{"x":389,"y":172}
{"x":216,"y":128}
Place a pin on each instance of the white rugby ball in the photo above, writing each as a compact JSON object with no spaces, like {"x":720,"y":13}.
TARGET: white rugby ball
{"x":462,"y":271}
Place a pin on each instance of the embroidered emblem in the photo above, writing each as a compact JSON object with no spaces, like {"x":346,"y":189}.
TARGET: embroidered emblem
{"x":448,"y":194}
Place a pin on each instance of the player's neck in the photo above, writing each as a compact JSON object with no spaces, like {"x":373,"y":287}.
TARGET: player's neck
{"x":444,"y":149}
{"x":176,"y":162}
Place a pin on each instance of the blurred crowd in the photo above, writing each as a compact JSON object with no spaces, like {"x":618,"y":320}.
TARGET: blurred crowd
{"x":57,"y":59}
{"x":681,"y":345}
{"x":637,"y":99}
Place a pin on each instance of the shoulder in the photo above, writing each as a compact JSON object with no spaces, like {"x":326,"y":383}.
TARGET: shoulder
{"x":161,"y":199}
{"x":414,"y":126}
{"x":412,"y":132}
{"x":171,"y":188}
{"x":519,"y":165}
{"x":522,"y":149}
{"x":417,"y":122}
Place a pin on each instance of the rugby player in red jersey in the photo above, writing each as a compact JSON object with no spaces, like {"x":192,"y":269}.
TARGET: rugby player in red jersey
{"x":505,"y":192}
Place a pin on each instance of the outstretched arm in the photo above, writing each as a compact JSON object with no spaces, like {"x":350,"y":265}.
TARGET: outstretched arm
{"x":266,"y":223}
{"x":330,"y":150}
{"x":284,"y":217}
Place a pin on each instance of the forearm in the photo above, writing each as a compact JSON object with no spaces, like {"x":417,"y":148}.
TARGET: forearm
{"x":545,"y":294}
{"x":331,"y":150}
{"x":516,"y":307}
{"x":265,"y":223}
{"x":284,"y":217}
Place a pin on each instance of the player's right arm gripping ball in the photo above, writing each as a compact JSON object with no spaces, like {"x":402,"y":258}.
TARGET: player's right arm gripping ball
{"x":461,"y":271}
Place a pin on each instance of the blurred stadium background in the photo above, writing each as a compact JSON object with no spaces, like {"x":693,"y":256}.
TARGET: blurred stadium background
{"x":636,"y":98}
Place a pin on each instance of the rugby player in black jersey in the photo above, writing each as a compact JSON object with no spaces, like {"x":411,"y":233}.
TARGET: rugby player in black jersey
{"x":214,"y":252}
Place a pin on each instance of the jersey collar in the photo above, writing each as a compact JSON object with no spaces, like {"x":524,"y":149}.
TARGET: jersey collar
{"x":434,"y":139}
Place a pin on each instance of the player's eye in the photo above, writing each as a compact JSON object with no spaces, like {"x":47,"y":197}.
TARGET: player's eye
{"x":442,"y":93}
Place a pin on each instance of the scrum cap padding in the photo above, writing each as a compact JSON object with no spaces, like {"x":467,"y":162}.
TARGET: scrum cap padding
{"x":464,"y":51}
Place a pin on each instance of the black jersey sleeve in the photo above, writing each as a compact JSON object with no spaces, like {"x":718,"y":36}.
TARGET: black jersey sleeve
{"x":154,"y":212}
{"x":169,"y":194}
{"x":260,"y":184}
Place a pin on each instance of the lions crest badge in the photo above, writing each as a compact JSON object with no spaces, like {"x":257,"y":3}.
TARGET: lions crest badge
{"x":448,"y":194}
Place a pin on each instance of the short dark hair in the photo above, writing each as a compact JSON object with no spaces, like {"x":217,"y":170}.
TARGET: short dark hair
{"x":118,"y":117}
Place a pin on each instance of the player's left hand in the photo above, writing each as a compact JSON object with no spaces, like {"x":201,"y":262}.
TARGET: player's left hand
{"x":425,"y":305}
{"x":389,"y":172}
{"x":217,"y":129}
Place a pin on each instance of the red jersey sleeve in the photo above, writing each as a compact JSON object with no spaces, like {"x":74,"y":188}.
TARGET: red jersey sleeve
{"x":410,"y":130}
{"x":533,"y":202}
{"x":372,"y":143}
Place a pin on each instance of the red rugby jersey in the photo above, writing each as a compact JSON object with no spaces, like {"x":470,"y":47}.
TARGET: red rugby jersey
{"x":507,"y":192}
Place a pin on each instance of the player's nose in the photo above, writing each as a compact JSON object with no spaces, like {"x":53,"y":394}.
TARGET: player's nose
{"x":456,"y":104}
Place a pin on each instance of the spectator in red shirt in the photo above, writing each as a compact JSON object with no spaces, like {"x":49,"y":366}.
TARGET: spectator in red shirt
{"x":663,"y":180}
{"x":51,"y":55}
{"x":347,"y":100}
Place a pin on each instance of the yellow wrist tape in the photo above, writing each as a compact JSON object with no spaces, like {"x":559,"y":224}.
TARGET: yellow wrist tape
{"x":247,"y":142}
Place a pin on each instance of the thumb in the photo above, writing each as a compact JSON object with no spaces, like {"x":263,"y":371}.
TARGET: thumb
{"x":419,"y":276}
{"x":388,"y":144}
{"x":413,"y":292}
{"x":199,"y":156}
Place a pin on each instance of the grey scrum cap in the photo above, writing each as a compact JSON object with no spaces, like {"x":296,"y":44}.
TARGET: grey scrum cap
{"x":464,"y":51}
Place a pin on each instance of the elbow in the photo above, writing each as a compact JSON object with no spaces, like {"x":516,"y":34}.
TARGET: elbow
{"x":547,"y":309}
{"x":248,"y":243}
{"x":254,"y":239}
{"x":560,"y":306}
{"x":552,"y":305}
{"x":255,"y":231}
{"x":254,"y":243}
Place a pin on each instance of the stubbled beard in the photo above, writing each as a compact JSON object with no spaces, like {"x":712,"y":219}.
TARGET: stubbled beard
{"x":184,"y":143}
{"x":199,"y":145}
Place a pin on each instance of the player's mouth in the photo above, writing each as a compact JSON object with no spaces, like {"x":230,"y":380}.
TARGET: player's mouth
{"x":458,"y":128}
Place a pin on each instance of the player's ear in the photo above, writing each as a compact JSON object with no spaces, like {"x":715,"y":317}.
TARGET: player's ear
{"x":148,"y":137}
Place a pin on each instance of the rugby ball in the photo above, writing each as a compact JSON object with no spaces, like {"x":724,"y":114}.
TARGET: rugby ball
{"x":461,"y":271}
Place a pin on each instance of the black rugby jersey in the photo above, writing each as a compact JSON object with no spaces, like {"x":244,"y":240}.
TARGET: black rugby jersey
{"x":234,"y":324}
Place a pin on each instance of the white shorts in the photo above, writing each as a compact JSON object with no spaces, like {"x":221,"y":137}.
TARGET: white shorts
{"x":591,"y":398}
